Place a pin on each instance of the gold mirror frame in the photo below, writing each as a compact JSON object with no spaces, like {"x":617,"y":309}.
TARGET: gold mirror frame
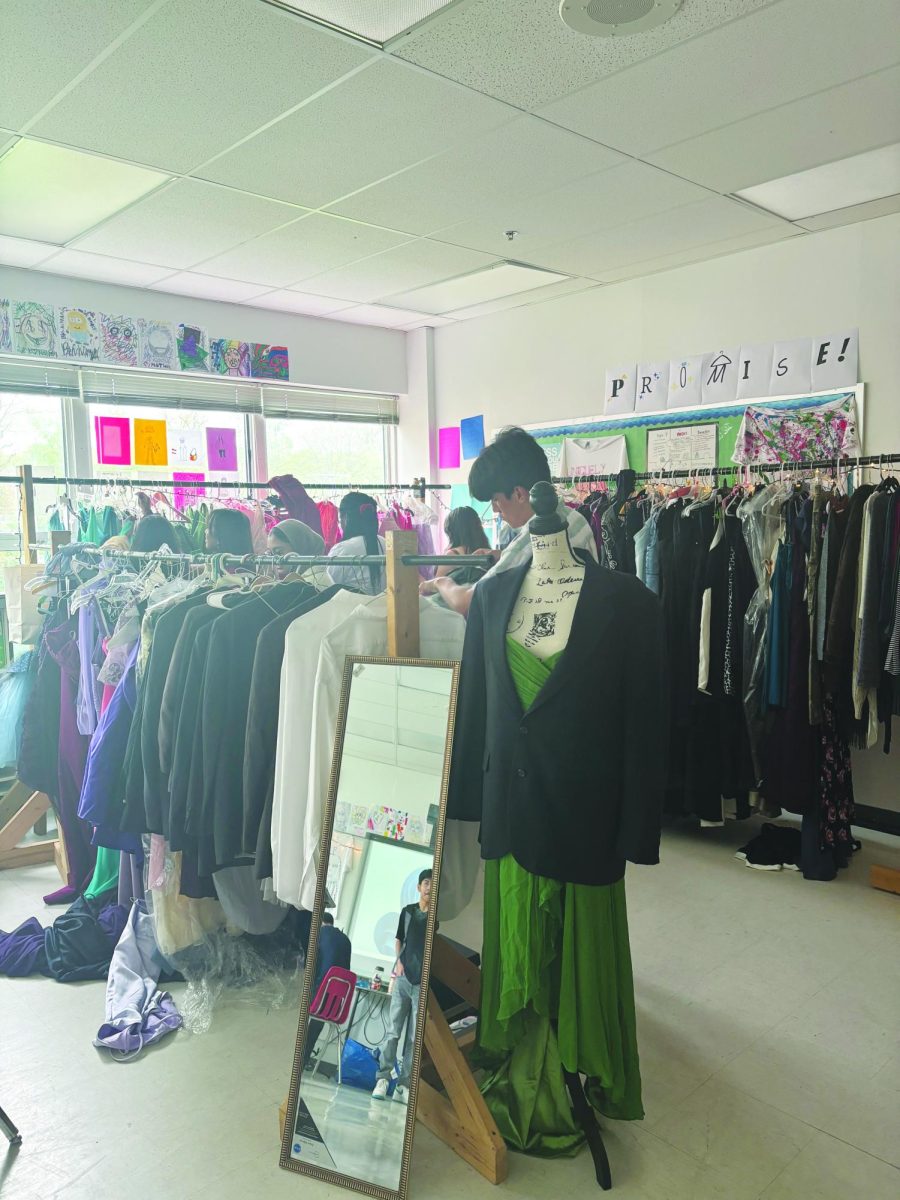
{"x":286,"y":1161}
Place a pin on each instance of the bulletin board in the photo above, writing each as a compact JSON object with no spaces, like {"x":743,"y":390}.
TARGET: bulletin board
{"x":727,"y":418}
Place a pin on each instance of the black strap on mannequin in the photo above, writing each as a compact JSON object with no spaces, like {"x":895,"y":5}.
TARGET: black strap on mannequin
{"x":584,"y":1115}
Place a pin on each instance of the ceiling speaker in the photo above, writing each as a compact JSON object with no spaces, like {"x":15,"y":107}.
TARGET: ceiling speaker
{"x":616,"y":18}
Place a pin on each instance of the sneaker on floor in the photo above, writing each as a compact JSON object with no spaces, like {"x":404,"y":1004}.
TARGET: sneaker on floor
{"x":742,"y":853}
{"x":380,"y":1090}
{"x":401,"y":1094}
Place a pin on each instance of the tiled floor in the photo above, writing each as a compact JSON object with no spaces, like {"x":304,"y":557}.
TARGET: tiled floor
{"x":769,"y":1026}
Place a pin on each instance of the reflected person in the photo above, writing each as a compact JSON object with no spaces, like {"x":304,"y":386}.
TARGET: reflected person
{"x":333,"y":950}
{"x":410,"y":949}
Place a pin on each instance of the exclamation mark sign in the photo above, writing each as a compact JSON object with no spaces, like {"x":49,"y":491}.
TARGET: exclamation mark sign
{"x":843,"y":352}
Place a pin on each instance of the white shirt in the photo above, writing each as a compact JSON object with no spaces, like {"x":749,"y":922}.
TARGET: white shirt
{"x":581,"y":537}
{"x":358,"y":578}
{"x":595,"y":456}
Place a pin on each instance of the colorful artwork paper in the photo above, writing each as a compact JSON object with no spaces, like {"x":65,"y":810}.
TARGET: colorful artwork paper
{"x":34,"y":329}
{"x":150,"y":448}
{"x":184,"y":448}
{"x":193,"y":348}
{"x":113,"y":439}
{"x":221,"y":449}
{"x":158,"y":349}
{"x":118,"y":340}
{"x":5,"y":327}
{"x":471,"y":431}
{"x":183,"y":496}
{"x":448,"y":447}
{"x":269,"y":362}
{"x":229,"y":357}
{"x":79,"y":334}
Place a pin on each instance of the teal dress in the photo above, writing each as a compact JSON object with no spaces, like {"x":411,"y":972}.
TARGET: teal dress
{"x":557,"y":991}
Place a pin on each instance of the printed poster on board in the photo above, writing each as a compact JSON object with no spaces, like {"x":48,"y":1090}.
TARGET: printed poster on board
{"x":158,"y":350}
{"x":34,"y":329}
{"x":118,"y":340}
{"x":79,"y":334}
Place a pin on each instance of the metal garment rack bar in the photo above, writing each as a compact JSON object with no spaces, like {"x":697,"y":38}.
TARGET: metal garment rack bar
{"x":101,"y":481}
{"x":819,"y":464}
{"x":285,"y":560}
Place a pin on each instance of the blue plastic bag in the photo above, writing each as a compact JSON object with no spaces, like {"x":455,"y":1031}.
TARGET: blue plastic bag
{"x":359,"y":1065}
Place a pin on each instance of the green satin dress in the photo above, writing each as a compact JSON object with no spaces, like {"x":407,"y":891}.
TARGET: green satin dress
{"x":557,"y":991}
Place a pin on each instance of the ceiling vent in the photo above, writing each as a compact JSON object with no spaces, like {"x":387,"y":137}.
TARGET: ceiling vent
{"x":616,"y":18}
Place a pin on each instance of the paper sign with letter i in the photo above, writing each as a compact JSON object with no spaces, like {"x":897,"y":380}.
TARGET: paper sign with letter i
{"x":754,"y":371}
{"x":790,"y":367}
{"x":835,"y":360}
{"x":620,"y":390}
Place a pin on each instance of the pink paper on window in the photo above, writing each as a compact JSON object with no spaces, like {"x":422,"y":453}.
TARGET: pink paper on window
{"x":113,"y":435}
{"x":221,"y":449}
{"x":448,"y":447}
{"x":183,"y":496}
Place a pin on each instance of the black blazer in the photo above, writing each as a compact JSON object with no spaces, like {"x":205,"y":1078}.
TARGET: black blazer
{"x":574,"y":786}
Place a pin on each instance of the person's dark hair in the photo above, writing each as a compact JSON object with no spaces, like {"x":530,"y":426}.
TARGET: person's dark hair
{"x":358,"y":515}
{"x":228,"y":532}
{"x":423,"y":875}
{"x":464,"y":530}
{"x":152,"y":532}
{"x":513,"y":459}
{"x":327,"y":918}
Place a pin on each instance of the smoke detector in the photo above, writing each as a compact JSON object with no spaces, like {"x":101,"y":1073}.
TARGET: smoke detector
{"x":616,"y":18}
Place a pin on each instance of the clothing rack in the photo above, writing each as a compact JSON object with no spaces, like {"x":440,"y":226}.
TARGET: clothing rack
{"x":417,"y":485}
{"x":819,"y":464}
{"x":288,"y":560}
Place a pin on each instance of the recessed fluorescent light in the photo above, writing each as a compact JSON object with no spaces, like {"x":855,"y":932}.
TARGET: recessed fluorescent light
{"x":489,"y":283}
{"x":208,"y":287}
{"x":379,"y":314}
{"x":51,"y":193}
{"x":840,"y":184}
{"x":18,"y":252}
{"x":376,"y":21}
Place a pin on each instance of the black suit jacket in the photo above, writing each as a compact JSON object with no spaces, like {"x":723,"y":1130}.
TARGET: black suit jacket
{"x":574,"y":786}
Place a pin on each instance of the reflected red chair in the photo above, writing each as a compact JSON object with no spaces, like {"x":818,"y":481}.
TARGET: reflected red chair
{"x":332,"y":1005}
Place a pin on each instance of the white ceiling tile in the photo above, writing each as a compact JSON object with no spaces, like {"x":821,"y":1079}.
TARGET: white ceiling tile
{"x":197,"y":77}
{"x":187,"y":222}
{"x":208,"y":287}
{"x":7,"y":137}
{"x":485,"y":177}
{"x":712,"y":250}
{"x":19,"y":252}
{"x":602,"y":201}
{"x":44,"y":45}
{"x":554,"y":291}
{"x":521,"y":52}
{"x":288,"y":300}
{"x":413,"y":265}
{"x":856,"y":212}
{"x":380,"y":314}
{"x":308,"y":247}
{"x":770,"y":57}
{"x":380,"y":121}
{"x":50,"y":193}
{"x":427,"y":321}
{"x":712,"y":220}
{"x":833,"y":124}
{"x":99,"y":266}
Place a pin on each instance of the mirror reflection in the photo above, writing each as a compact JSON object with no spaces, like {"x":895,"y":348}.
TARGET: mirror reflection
{"x":367,"y":989}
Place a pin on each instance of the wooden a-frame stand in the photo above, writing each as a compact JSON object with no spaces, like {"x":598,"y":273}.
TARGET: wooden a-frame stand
{"x":457,"y":1114}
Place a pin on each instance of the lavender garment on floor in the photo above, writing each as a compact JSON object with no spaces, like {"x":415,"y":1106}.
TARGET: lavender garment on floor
{"x":131,"y":878}
{"x":137,"y":1012}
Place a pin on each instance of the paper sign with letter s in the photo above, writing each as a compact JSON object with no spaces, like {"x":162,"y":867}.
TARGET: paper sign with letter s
{"x":790,"y":367}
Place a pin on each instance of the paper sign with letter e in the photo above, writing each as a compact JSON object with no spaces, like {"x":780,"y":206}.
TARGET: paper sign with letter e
{"x":652,"y":387}
{"x":835,"y":360}
{"x":684,"y":382}
{"x":619,"y":395}
{"x":754,"y":371}
{"x":448,"y":447}
{"x":791,"y":373}
{"x":221,"y":449}
{"x":150,"y":443}
{"x":113,"y":436}
{"x":718,"y":382}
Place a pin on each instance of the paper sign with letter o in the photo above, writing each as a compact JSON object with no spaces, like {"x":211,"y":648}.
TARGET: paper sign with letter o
{"x":651,"y":387}
{"x":684,"y":381}
{"x":835,"y":360}
{"x":754,"y":371}
{"x":790,"y":367}
{"x":620,"y":390}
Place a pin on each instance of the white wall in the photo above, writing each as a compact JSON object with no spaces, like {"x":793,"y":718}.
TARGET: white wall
{"x":547,"y":361}
{"x":322,"y":353}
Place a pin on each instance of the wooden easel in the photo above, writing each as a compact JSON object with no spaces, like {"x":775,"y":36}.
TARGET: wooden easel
{"x":460,"y":1118}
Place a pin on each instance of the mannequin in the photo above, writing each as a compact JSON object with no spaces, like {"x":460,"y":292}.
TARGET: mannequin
{"x":565,"y":793}
{"x":541,"y":619}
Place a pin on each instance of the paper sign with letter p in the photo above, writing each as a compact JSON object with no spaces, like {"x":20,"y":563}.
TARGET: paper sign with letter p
{"x":790,"y":367}
{"x":835,"y":360}
{"x":651,"y":386}
{"x":620,"y":390}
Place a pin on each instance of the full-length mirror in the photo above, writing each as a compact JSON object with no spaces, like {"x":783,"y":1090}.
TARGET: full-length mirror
{"x":352,"y":1097}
